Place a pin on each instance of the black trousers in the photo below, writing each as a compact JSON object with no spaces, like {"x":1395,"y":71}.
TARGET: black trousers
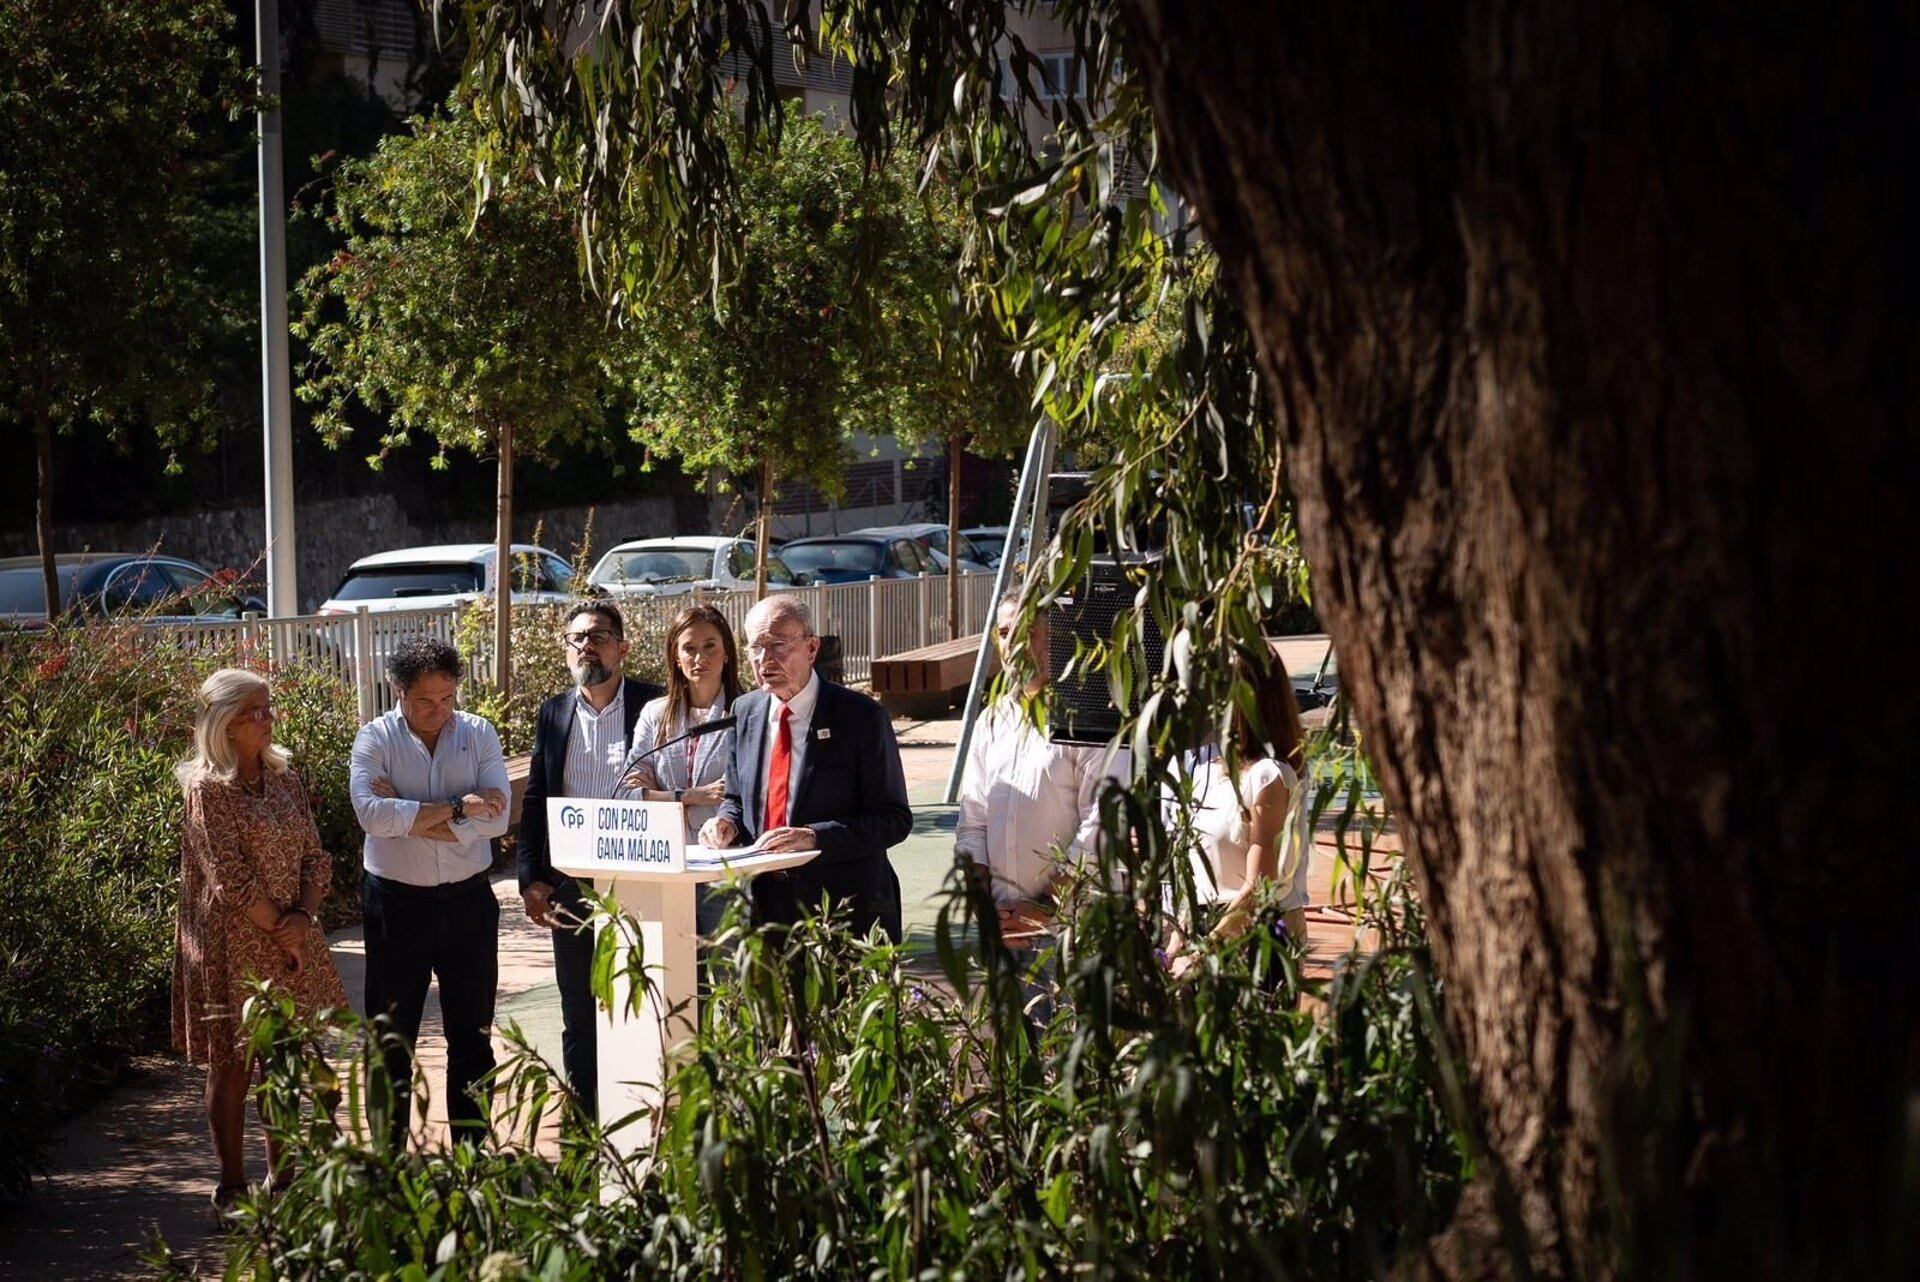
{"x":573,"y":975}
{"x":414,"y":935}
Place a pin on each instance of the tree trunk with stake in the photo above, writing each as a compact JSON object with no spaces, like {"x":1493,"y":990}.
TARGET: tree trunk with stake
{"x":764,"y":531}
{"x":955,"y":442}
{"x":503,"y":566}
{"x":43,"y":514}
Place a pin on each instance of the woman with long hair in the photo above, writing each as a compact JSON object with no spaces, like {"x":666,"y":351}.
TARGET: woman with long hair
{"x":252,"y":877}
{"x":703,"y":680}
{"x":1250,"y":825}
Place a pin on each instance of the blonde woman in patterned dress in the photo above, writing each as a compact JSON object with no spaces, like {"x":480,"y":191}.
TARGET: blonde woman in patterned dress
{"x":252,"y":876}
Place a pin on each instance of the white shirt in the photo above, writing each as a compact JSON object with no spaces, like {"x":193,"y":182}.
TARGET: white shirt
{"x":668,"y":768}
{"x":798,"y":724}
{"x":466,"y":758}
{"x":1224,"y":830}
{"x":596,"y":746}
{"x":1024,"y":800}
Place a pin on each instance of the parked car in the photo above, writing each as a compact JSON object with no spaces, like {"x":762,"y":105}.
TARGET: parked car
{"x":855,"y":558}
{"x":990,"y":541}
{"x":676,"y":566}
{"x":98,"y":585}
{"x":932,"y":538}
{"x":430,"y":577}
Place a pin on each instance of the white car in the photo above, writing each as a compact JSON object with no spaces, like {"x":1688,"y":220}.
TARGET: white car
{"x":451,"y":573}
{"x":677,"y":566}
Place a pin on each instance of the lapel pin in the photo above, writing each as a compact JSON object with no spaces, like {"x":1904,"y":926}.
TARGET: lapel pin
{"x":823,"y":734}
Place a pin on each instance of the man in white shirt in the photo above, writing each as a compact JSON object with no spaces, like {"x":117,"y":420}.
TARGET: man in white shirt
{"x":429,"y":785}
{"x":1027,"y":806}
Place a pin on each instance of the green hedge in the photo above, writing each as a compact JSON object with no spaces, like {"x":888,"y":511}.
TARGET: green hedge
{"x":92,"y":722}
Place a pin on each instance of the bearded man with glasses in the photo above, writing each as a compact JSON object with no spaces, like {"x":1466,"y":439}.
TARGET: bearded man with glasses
{"x":579,"y":749}
{"x":815,"y":767}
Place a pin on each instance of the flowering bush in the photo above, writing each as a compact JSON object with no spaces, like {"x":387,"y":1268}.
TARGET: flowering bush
{"x":92,"y":723}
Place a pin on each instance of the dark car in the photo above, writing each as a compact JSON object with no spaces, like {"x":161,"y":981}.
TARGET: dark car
{"x":98,"y":585}
{"x":855,"y":558}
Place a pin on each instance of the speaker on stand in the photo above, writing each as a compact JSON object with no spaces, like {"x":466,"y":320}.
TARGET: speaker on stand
{"x":1081,"y":704}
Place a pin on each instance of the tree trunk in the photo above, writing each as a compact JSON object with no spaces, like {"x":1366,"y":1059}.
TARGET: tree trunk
{"x":1555,"y":304}
{"x":43,"y":515}
{"x":503,"y":565}
{"x":954,"y":444}
{"x":763,"y":532}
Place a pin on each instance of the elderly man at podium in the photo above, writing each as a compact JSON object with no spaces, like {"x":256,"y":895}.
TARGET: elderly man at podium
{"x":814,"y":767}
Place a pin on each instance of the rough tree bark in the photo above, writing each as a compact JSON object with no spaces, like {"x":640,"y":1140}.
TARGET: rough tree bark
{"x":1592,"y":333}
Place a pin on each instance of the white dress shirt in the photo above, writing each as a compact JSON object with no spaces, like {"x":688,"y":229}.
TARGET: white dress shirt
{"x":1224,"y":831}
{"x":466,"y":758}
{"x":596,"y":746}
{"x":798,"y":724}
{"x":1025,"y":802}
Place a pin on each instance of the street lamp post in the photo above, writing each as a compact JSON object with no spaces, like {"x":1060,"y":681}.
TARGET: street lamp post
{"x":283,"y":589}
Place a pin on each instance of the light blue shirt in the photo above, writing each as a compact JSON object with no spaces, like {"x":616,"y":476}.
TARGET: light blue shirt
{"x":467,"y":758}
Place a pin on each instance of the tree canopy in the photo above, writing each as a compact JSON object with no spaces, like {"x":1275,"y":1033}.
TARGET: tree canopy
{"x":110,"y":253}
{"x":1526,"y":310}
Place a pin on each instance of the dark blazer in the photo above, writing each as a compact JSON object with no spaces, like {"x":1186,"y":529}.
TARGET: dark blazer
{"x":546,"y":775}
{"x":851,"y":792}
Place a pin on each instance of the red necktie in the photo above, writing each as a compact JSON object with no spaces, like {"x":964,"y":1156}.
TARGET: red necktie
{"x":777,"y":771}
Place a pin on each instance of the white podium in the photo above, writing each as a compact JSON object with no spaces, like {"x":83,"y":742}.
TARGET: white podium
{"x":637,"y":851}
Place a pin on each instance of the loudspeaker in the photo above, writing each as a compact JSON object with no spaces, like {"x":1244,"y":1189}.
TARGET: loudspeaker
{"x":1081,"y":706}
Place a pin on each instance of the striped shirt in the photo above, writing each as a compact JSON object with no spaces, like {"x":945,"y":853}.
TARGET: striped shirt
{"x":596,"y":746}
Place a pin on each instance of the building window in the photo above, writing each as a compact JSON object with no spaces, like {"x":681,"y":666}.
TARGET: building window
{"x":1060,"y":76}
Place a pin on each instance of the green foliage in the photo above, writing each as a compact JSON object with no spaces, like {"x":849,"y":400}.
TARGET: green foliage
{"x":454,"y":311}
{"x":842,"y":1114}
{"x":92,"y":723}
{"x":765,"y":375}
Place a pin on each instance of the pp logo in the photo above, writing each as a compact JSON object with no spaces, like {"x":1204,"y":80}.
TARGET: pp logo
{"x":572,"y":817}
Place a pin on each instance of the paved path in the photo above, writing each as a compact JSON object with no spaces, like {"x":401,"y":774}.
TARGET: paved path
{"x":140,"y":1161}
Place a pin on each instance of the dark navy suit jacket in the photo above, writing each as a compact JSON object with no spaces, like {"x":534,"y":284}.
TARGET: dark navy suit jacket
{"x":851,"y":792}
{"x":546,"y":775}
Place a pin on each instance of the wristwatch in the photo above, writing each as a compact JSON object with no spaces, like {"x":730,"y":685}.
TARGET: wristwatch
{"x":459,"y":805}
{"x":679,"y":794}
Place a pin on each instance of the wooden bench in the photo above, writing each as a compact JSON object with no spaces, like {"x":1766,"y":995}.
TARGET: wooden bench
{"x":927,"y":681}
{"x":517,"y":768}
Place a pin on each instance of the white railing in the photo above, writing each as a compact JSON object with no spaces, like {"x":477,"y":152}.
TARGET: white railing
{"x":871,"y":620}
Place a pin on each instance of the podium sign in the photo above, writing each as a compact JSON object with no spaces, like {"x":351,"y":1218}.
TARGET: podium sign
{"x":589,"y":838}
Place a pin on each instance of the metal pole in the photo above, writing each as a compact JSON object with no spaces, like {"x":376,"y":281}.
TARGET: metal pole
{"x":1029,"y":508}
{"x":283,"y":586}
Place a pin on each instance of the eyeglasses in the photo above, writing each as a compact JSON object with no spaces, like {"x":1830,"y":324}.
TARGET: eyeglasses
{"x":776,"y":647}
{"x":583,"y":640}
{"x":260,"y":714}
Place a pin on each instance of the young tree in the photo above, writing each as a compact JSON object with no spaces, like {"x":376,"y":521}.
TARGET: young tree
{"x":460,"y":314}
{"x":962,"y":387}
{"x":107,"y":300}
{"x":1544,"y":302}
{"x":801,"y":342}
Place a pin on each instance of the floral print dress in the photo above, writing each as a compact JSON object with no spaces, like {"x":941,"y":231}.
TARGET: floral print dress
{"x":241,"y":844}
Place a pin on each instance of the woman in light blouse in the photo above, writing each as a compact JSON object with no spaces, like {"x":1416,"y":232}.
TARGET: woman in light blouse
{"x":703,"y":680}
{"x":252,"y":878}
{"x":1251,"y":827}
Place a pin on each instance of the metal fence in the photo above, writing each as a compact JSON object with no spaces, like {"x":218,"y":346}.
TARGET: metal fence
{"x":870,"y":620}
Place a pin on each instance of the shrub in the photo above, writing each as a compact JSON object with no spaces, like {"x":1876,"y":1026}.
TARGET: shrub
{"x":92,"y":722}
{"x":841,"y":1115}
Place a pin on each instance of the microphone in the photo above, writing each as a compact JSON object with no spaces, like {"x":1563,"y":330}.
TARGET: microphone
{"x":706,"y":727}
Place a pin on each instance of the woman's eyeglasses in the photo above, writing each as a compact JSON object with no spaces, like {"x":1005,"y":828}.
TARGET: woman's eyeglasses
{"x":263,"y":714}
